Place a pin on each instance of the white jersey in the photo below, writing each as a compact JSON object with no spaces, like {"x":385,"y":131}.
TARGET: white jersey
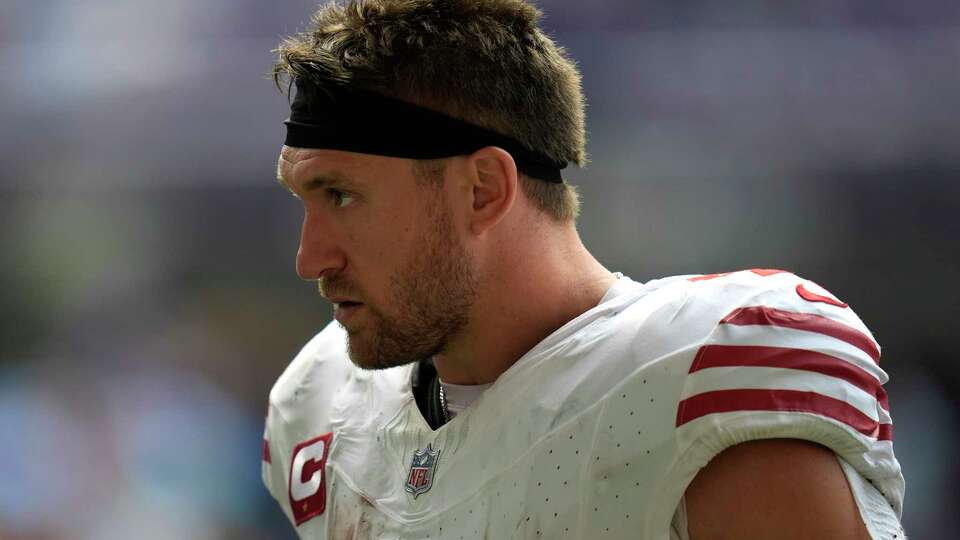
{"x":596,"y":431}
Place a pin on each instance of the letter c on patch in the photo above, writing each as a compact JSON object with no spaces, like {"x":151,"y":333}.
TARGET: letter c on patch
{"x":307,"y":484}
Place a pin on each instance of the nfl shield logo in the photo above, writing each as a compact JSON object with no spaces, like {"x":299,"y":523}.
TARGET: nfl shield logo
{"x":420,"y":479}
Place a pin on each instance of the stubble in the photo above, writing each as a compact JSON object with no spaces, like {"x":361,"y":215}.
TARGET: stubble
{"x":430,"y":299}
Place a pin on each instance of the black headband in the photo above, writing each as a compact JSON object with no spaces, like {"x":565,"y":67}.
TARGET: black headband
{"x":371,"y":123}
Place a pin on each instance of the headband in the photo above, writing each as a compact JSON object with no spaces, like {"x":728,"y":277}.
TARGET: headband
{"x":371,"y":123}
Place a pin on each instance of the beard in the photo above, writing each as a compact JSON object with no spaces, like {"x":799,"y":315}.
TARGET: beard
{"x":430,"y":296}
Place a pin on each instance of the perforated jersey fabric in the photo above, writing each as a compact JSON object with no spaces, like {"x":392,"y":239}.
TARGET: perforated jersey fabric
{"x":596,"y":431}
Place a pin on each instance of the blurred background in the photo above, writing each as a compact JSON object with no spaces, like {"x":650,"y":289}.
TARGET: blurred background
{"x":148,"y":294}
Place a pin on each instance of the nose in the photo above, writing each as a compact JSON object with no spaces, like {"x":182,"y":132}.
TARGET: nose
{"x":319,"y":252}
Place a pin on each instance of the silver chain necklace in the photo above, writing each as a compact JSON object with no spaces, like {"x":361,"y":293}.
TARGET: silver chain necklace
{"x":443,"y":402}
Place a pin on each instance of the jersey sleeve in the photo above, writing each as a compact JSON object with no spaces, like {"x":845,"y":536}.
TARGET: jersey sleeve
{"x":298,"y":417}
{"x":273,"y":466}
{"x":791,"y":361}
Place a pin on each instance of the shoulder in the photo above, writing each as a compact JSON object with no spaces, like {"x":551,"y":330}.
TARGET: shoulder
{"x":683,"y":311}
{"x":701,"y":363}
{"x":774,"y":331}
{"x":653,"y":331}
{"x":302,"y":399}
{"x":785,"y":358}
{"x":315,"y":373}
{"x":300,"y":406}
{"x":776,"y":290}
{"x":711,"y":295}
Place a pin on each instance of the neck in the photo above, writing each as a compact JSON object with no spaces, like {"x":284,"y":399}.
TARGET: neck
{"x":529,"y":298}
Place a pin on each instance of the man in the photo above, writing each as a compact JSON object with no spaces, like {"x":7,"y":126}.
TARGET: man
{"x":486,"y":377}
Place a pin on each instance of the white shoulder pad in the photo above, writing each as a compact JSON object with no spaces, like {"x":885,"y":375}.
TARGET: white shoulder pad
{"x":787,"y":360}
{"x":300,"y":405}
{"x":317,"y":371}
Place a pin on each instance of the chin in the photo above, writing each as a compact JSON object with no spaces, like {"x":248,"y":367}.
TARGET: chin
{"x":377,"y":364}
{"x":364,"y":358}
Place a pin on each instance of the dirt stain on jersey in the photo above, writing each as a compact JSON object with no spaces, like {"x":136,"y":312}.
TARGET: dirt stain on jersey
{"x":352,"y":521}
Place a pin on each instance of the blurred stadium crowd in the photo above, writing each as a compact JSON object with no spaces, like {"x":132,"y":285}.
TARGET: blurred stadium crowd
{"x":148,"y":293}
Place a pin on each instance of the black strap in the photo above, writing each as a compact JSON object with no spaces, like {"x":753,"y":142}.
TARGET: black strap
{"x":426,"y":391}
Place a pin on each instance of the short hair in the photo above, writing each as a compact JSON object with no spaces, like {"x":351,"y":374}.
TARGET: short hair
{"x":486,"y":62}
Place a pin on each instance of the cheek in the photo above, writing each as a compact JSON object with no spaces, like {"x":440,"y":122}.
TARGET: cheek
{"x":387,"y":243}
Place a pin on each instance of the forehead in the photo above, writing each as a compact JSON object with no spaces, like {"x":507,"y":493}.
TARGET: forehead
{"x":293,"y":160}
{"x":294,"y":155}
{"x":298,"y":165}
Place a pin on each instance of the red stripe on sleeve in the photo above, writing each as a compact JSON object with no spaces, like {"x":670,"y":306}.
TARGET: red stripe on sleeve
{"x":266,"y":451}
{"x":711,"y":356}
{"x":886,"y":432}
{"x":722,"y":401}
{"x":882,"y":398}
{"x":762,"y":315}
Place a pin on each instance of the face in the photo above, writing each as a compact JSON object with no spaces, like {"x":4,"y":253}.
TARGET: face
{"x":383,"y":247}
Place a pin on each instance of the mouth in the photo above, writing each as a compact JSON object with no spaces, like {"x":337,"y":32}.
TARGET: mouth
{"x":346,"y":310}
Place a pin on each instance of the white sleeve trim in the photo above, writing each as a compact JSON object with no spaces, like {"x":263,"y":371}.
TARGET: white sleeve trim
{"x":877,"y":514}
{"x":703,"y":439}
{"x":678,"y":525}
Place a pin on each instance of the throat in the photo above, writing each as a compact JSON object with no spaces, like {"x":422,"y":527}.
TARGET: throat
{"x":458,"y":397}
{"x":440,"y":402}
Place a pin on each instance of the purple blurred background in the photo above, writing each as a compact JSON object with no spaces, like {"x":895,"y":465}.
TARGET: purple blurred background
{"x":148,"y":291}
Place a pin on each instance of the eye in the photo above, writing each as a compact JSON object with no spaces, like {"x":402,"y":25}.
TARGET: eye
{"x":339,"y":198}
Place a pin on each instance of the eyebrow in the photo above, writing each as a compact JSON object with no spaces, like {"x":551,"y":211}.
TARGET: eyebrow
{"x":332,"y":178}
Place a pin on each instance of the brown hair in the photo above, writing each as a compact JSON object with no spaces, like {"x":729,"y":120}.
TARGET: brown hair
{"x":483,"y":61}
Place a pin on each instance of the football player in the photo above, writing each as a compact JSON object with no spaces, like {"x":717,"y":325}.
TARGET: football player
{"x":485,"y":376}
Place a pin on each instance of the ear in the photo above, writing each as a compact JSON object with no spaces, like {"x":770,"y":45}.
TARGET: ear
{"x":493,"y":175}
